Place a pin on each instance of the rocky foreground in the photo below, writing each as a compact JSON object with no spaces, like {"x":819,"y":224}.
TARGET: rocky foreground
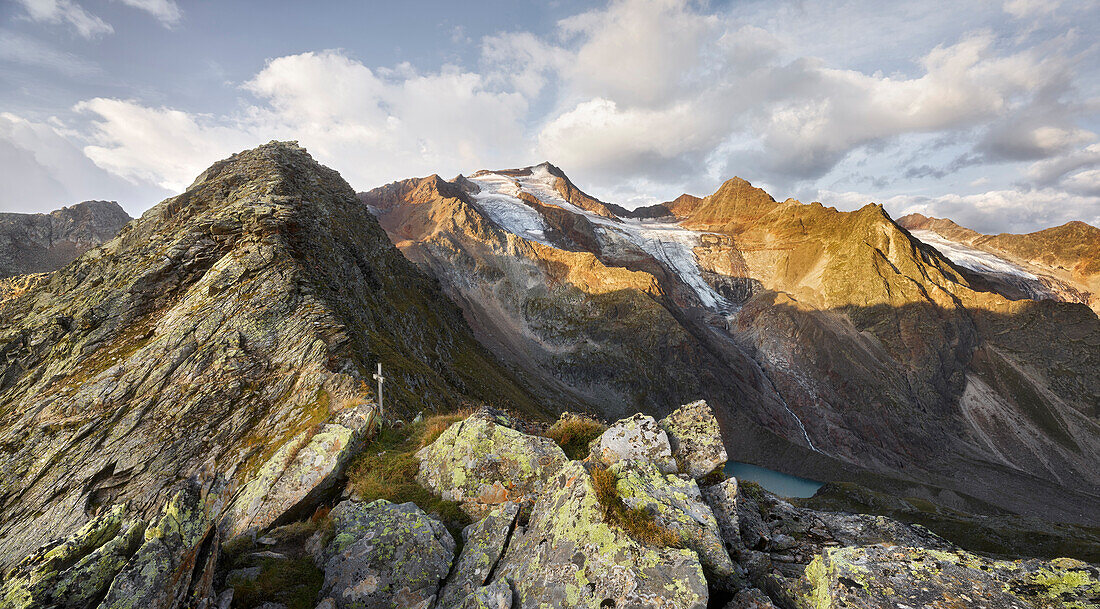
{"x":644,"y":519}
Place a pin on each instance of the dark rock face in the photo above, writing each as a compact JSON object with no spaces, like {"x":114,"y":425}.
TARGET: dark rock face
{"x":248,"y":311}
{"x":37,"y":243}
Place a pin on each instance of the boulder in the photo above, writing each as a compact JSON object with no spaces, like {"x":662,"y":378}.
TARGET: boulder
{"x":483,"y":544}
{"x":676,"y":504}
{"x":637,"y":438}
{"x":74,"y":573}
{"x":178,"y":550}
{"x":385,"y":555}
{"x":751,"y":598}
{"x":695,"y":438}
{"x":570,"y":556}
{"x":894,"y":576}
{"x":494,"y":596}
{"x":480,"y":464}
{"x":301,"y":472}
{"x":722,"y":499}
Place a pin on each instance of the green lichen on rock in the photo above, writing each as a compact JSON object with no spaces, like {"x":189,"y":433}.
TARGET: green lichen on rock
{"x":483,"y":544}
{"x":570,"y":556}
{"x":480,"y":463}
{"x":385,"y":556}
{"x":637,"y":437}
{"x":676,"y":504}
{"x":162,"y":568}
{"x":301,"y":471}
{"x":695,"y":439}
{"x":74,"y":572}
{"x":877,"y":576}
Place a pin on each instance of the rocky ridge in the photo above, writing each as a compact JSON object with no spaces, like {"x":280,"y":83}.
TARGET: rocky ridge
{"x":229,"y":333}
{"x":37,"y":243}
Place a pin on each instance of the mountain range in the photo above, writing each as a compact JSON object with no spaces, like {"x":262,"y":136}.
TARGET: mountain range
{"x":229,"y":326}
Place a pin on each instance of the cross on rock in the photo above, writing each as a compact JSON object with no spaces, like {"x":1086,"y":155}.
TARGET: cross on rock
{"x":381,"y":379}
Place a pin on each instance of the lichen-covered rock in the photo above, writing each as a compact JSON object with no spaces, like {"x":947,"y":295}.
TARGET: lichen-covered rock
{"x":480,"y":464}
{"x":484,"y":543}
{"x":676,"y":504}
{"x":497,"y":595}
{"x":75,"y":573}
{"x":294,"y":479}
{"x":695,"y":438}
{"x":570,"y":557}
{"x":722,"y":499}
{"x":639,"y":438}
{"x":385,"y":555}
{"x":160,"y":573}
{"x":893,"y":576}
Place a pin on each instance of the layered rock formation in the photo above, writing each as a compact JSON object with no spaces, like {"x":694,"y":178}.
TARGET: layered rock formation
{"x":229,"y":332}
{"x":37,"y":243}
{"x":833,"y":345}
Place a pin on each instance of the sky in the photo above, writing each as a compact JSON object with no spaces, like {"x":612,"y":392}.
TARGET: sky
{"x":985,"y":111}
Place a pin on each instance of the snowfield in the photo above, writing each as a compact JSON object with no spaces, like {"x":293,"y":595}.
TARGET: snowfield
{"x":668,"y":242}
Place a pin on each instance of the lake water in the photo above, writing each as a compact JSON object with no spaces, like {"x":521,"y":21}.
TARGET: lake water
{"x":784,"y":485}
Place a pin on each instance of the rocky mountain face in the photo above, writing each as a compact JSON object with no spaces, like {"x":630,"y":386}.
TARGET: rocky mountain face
{"x":227,"y":337}
{"x":1060,"y":263}
{"x":833,"y":345}
{"x":188,"y":416}
{"x":37,"y":243}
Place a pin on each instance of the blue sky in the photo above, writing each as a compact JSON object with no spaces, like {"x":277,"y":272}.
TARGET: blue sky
{"x":988,"y":114}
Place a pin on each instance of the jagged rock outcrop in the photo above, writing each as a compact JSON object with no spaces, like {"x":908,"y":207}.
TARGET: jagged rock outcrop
{"x":695,"y":439}
{"x":481,"y":464}
{"x":570,"y":556}
{"x":677,"y":505}
{"x":299,"y":475}
{"x":385,"y":556}
{"x":483,"y":544}
{"x":877,"y":576}
{"x":636,"y":437}
{"x":37,"y":243}
{"x":244,"y":313}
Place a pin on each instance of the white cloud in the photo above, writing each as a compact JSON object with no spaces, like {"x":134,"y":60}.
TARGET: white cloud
{"x":42,"y":169}
{"x":66,"y":11}
{"x":994,"y":211}
{"x":1023,"y":9}
{"x":158,"y":146}
{"x":165,"y":11}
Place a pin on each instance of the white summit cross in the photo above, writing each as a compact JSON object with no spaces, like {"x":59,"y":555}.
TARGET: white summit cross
{"x":381,"y":379}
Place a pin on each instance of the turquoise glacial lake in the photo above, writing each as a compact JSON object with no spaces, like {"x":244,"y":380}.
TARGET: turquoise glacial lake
{"x":784,"y":485}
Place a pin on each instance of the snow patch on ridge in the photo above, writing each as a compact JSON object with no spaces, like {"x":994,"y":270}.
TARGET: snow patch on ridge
{"x":672,"y":245}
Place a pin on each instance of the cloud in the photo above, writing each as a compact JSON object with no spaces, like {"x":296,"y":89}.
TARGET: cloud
{"x":373,"y":126}
{"x":43,"y":169}
{"x":27,"y":51}
{"x":165,"y":11}
{"x":1024,"y":9}
{"x":158,"y":146}
{"x":991,"y":212}
{"x":66,"y":11}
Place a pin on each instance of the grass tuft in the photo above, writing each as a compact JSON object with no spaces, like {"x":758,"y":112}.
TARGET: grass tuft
{"x":387,"y":468}
{"x":294,"y":582}
{"x":573,"y":435}
{"x":637,"y":522}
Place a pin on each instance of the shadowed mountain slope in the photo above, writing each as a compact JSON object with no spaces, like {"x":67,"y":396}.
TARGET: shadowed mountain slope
{"x":831,"y":344}
{"x":37,"y":243}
